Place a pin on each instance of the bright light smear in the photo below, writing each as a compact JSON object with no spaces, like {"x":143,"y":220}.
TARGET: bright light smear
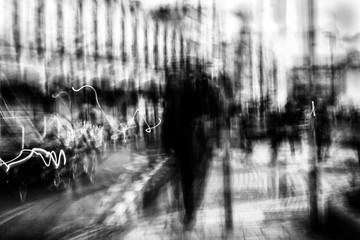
{"x":46,"y":156}
{"x":124,"y":126}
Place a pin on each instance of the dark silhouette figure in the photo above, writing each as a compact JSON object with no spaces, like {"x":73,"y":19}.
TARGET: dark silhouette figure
{"x":275,"y":133}
{"x":322,"y":131}
{"x":190,"y":126}
{"x":291,"y":120}
{"x":245,"y":133}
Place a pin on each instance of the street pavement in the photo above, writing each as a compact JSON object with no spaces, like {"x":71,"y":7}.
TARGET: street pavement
{"x":79,"y":213}
{"x":269,"y":202}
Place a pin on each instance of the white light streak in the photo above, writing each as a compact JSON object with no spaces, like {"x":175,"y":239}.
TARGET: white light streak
{"x":51,"y":156}
{"x":124,"y":126}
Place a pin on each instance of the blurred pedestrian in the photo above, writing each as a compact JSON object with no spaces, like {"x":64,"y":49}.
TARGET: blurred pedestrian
{"x":275,"y":134}
{"x":291,"y":120}
{"x":192,"y":108}
{"x":322,"y":131}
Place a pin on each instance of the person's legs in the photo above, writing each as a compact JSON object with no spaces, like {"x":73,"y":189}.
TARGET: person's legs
{"x":274,"y":147}
{"x":326,"y":149}
{"x":319,"y":146}
{"x":188,"y":198}
{"x":174,"y":193}
{"x":298,"y":141}
{"x":187,"y":185}
{"x":358,"y":150}
{"x":291,"y":139}
{"x":201,"y":177}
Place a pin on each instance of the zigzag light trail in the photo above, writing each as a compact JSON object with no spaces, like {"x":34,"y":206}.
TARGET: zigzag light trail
{"x":56,"y":160}
{"x":53,"y":158}
{"x":124,"y":126}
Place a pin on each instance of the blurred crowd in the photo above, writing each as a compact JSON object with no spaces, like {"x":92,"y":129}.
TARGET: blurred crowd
{"x":86,"y":123}
{"x":193,"y":110}
{"x":199,"y":108}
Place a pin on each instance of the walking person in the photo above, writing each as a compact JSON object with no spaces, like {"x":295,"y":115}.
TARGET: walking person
{"x":191,"y":110}
{"x":322,"y":131}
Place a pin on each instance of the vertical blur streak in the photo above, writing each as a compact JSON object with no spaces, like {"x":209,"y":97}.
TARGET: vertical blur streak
{"x":40,"y":38}
{"x":135,"y":16}
{"x":95,"y":34}
{"x":16,"y":35}
{"x":60,"y":34}
{"x":156,"y":46}
{"x":252,"y":91}
{"x":146,"y":47}
{"x":213,"y":26}
{"x":165,"y":45}
{"x":109,"y":42}
{"x":109,"y":47}
{"x":79,"y":42}
{"x":182,"y":52}
{"x":173,"y":48}
{"x":227,"y":183}
{"x":16,"y":31}
{"x":123,"y":30}
{"x":199,"y":32}
{"x":313,"y":178}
